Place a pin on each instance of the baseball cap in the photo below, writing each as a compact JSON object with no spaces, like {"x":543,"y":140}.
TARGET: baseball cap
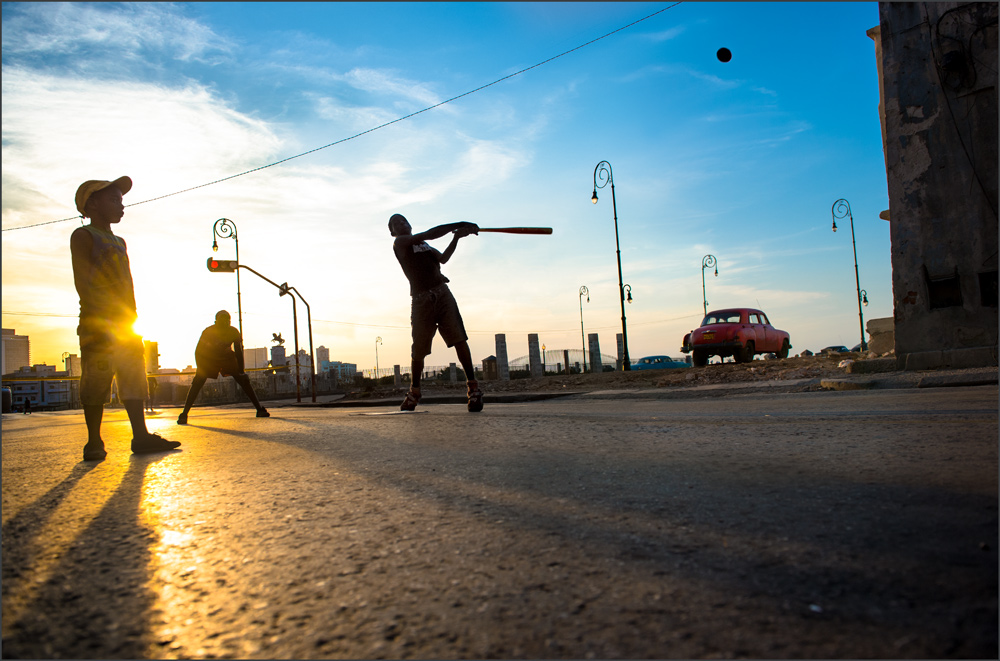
{"x":88,"y":188}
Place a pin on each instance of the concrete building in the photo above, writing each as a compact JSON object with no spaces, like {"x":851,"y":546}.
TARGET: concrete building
{"x":937,"y":65}
{"x":43,"y":386}
{"x":255,"y":358}
{"x":151,"y":352}
{"x":16,"y":352}
{"x":343,"y":371}
{"x":74,"y":366}
{"x":322,"y":354}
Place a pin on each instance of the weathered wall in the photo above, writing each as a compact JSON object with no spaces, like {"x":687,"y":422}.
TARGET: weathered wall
{"x":939,"y":81}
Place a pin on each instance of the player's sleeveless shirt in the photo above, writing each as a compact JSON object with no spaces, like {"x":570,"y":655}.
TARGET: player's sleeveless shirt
{"x":421,"y":266}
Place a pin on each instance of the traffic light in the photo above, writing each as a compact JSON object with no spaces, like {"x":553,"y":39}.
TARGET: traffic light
{"x":222,"y":265}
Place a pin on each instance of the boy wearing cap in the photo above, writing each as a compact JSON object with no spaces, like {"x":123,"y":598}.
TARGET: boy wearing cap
{"x":220,"y":351}
{"x":109,"y":348}
{"x":432,"y":306}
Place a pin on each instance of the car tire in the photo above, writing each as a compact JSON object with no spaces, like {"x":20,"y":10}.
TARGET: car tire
{"x":745,"y":353}
{"x":699,"y":358}
{"x":784,"y":349}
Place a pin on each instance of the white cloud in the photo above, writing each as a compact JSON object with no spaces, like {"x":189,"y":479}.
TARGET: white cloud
{"x":111,"y":31}
{"x":61,"y":130}
{"x":383,"y":82}
{"x":663,"y":35}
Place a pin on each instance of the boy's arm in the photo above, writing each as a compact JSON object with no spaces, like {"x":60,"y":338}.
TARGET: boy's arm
{"x":436,"y":233}
{"x":81,"y":245}
{"x":459,"y":233}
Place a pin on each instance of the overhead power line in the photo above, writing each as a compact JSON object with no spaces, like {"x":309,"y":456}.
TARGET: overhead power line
{"x":371,"y":130}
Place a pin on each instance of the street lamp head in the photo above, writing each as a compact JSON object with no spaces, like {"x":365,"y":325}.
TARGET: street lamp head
{"x":716,"y":271}
{"x":215,"y":246}
{"x":841,"y":209}
{"x":628,"y":291}
{"x":593,"y":198}
{"x":864,"y":298}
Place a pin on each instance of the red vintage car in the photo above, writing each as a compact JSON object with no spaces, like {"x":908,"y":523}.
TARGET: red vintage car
{"x":737,"y":332}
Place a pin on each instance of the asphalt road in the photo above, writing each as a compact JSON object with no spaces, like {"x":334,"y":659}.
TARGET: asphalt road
{"x":800,"y":525}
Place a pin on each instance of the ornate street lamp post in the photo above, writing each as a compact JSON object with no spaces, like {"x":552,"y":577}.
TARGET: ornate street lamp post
{"x":603,"y":174}
{"x":842,"y":209}
{"x":583,"y":340}
{"x":708,"y":261}
{"x":224,"y":229}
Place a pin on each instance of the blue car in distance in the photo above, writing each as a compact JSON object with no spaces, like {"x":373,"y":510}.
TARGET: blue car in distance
{"x":657,"y":363}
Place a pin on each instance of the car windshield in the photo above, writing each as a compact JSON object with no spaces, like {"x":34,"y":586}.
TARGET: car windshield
{"x":722,"y":318}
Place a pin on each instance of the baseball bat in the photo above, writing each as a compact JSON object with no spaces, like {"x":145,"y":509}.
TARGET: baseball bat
{"x":518,"y":230}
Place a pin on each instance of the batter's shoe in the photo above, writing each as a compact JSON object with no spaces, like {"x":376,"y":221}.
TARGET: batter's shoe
{"x":262,"y":413}
{"x":152,"y":443}
{"x":411,"y":400}
{"x":475,"y":397}
{"x":182,"y":419}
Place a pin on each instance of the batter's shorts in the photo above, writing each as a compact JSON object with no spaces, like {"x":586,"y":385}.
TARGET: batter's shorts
{"x":435,"y":310}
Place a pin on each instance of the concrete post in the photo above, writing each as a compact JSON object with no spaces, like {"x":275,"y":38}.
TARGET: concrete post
{"x":397,"y":377}
{"x":534,"y":361}
{"x":595,"y":352}
{"x":621,"y":352}
{"x":503,"y":368}
{"x":452,"y":372}
{"x":566,"y":359}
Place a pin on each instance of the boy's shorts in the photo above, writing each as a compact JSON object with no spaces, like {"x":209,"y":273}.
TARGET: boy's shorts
{"x":435,"y":310}
{"x":123,"y":361}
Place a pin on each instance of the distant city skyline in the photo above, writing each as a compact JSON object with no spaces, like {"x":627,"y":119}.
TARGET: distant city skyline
{"x":741,"y":160}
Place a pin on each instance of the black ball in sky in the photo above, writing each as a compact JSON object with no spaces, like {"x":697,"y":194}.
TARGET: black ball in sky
{"x":724,"y":55}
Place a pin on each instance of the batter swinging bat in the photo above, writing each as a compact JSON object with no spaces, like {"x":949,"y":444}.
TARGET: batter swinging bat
{"x":518,"y":230}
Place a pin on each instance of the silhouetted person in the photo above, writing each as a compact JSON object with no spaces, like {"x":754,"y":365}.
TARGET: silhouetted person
{"x":152,"y":386}
{"x":109,"y":348}
{"x":26,"y":409}
{"x":432,"y":306}
{"x":220,"y":351}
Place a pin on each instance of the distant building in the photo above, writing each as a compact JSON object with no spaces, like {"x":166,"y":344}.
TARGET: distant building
{"x":305,"y":362}
{"x":255,"y":358}
{"x":322,"y":355}
{"x":73,"y":365}
{"x":343,"y":371}
{"x":173,"y":376}
{"x":16,"y":351}
{"x":43,"y":386}
{"x":151,"y":353}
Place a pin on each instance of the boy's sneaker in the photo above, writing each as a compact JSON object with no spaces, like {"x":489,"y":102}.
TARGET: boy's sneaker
{"x":94,"y":452}
{"x":475,"y":397}
{"x":152,"y":443}
{"x":182,"y":419}
{"x":262,"y":413}
{"x":411,"y":400}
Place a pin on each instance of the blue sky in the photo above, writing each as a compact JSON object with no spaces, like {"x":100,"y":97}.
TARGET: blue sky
{"x":741,"y":160}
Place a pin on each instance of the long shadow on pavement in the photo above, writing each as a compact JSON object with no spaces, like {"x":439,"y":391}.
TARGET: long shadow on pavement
{"x":97,"y":602}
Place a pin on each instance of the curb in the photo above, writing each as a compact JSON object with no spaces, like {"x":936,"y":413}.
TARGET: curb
{"x":490,"y":398}
{"x":896,"y":381}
